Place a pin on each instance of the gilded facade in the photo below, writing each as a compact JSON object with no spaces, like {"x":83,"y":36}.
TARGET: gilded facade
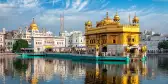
{"x":110,"y":35}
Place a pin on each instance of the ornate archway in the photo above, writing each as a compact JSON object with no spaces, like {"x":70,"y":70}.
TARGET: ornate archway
{"x":104,"y":49}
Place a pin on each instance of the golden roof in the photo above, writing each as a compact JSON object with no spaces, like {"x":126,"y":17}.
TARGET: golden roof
{"x":106,"y":21}
{"x":33,"y":26}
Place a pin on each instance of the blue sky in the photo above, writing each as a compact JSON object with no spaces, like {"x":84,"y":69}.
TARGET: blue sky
{"x":153,"y":14}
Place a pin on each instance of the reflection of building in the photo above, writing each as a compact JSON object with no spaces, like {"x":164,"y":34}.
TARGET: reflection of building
{"x":45,"y":69}
{"x":106,"y":74}
{"x":5,"y":68}
{"x":110,"y":35}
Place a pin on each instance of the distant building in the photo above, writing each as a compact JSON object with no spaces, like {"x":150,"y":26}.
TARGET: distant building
{"x":2,"y":40}
{"x":152,"y":40}
{"x":9,"y":39}
{"x":39,"y":40}
{"x":146,"y":35}
{"x":74,"y":39}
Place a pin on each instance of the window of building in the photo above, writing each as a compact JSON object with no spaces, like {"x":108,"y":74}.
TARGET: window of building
{"x":76,"y":40}
{"x":133,"y":40}
{"x":114,"y":41}
{"x":129,"y":40}
{"x":8,"y":43}
{"x":81,"y":40}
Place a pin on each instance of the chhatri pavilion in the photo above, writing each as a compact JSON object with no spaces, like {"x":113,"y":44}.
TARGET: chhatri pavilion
{"x":110,"y":35}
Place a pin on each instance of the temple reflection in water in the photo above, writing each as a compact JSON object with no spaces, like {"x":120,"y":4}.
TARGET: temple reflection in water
{"x":116,"y":74}
{"x":37,"y":71}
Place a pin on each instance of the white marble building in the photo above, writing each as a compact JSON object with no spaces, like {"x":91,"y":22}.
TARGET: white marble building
{"x":9,"y":39}
{"x":40,"y":43}
{"x":74,"y":39}
{"x":38,"y":40}
{"x":146,"y":35}
{"x":152,"y":43}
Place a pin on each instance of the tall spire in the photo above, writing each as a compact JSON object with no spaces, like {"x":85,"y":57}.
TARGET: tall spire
{"x":33,"y":21}
{"x":61,"y":23}
{"x":116,"y":13}
{"x":107,"y":15}
{"x":129,"y":18}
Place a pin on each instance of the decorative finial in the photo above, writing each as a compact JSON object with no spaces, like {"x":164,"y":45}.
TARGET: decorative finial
{"x":129,"y":19}
{"x":33,"y":20}
{"x":107,"y":15}
{"x":116,"y":12}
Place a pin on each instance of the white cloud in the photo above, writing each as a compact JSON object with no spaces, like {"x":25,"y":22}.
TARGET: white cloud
{"x":68,"y":3}
{"x":83,"y":5}
{"x":76,"y":3}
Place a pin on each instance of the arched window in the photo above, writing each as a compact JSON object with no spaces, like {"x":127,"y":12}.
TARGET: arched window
{"x":133,"y":40}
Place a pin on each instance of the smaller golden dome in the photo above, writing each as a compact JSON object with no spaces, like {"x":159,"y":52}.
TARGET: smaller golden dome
{"x":33,"y":26}
{"x":88,"y":23}
{"x":102,"y":22}
{"x":116,"y":17}
{"x":135,"y":19}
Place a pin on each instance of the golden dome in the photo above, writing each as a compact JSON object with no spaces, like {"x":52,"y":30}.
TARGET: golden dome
{"x":116,"y":17}
{"x":107,"y":20}
{"x":88,"y":23}
{"x":135,"y":19}
{"x":33,"y":26}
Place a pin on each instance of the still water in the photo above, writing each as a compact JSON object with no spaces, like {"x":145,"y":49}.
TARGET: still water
{"x":59,"y":71}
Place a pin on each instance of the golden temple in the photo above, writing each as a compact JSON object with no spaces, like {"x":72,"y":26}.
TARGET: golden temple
{"x":110,"y":35}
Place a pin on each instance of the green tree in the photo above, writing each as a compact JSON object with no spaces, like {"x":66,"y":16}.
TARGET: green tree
{"x":20,"y":65}
{"x":20,"y":43}
{"x":163,"y":45}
